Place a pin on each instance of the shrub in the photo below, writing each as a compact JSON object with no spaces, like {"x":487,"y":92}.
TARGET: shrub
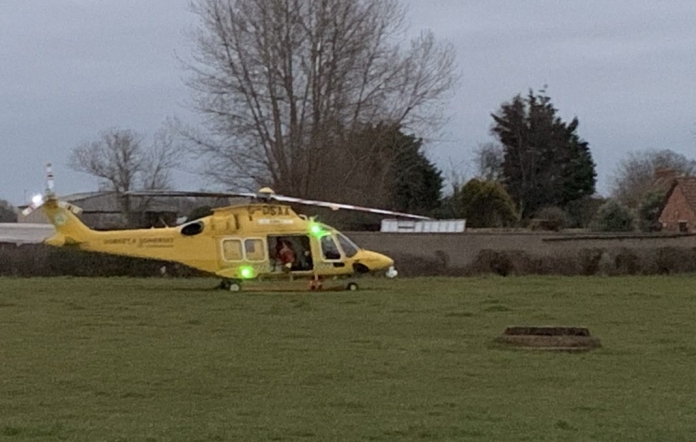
{"x":415,"y":265}
{"x":553,"y":213}
{"x":581,"y":212}
{"x":485,"y":204}
{"x":560,"y":264}
{"x":506,"y":262}
{"x":613,"y":217}
{"x":626,"y":262}
{"x":590,"y":260}
{"x":42,"y":260}
{"x":491,"y":261}
{"x":550,"y":218}
{"x":674,"y":260}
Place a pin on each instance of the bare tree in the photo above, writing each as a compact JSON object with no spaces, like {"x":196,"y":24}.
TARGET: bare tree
{"x":122,"y":163}
{"x":634,"y":177}
{"x":280,"y":84}
{"x":159,"y":161}
{"x":457,"y":174}
{"x":488,"y":158}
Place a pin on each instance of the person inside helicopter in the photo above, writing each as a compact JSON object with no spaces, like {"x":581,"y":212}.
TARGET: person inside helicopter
{"x":291,"y":253}
{"x":285,"y":254}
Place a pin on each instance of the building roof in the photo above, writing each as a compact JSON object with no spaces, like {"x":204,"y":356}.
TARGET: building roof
{"x":688,"y":188}
{"x":109,"y":202}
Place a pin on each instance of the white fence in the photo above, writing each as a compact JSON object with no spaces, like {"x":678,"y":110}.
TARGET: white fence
{"x":409,"y":226}
{"x":25,"y":233}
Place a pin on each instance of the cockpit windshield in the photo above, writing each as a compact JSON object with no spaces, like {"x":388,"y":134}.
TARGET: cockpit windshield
{"x":348,"y":246}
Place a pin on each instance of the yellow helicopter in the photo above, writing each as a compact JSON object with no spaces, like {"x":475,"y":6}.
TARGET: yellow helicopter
{"x":260,"y":239}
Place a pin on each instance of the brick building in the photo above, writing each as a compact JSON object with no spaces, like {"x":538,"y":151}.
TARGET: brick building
{"x":679,"y":211}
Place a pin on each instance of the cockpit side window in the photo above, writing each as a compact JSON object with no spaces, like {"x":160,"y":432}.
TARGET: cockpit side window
{"x":329,"y":249}
{"x":232,"y":250}
{"x":254,"y":249}
{"x":348,"y":246}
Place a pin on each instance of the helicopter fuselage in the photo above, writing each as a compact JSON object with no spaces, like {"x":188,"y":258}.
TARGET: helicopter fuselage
{"x":237,"y":242}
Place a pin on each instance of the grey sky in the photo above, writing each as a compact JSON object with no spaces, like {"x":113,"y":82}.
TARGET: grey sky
{"x":625,"y":68}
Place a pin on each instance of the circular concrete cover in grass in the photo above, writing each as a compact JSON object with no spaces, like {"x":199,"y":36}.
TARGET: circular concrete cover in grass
{"x":549,"y":338}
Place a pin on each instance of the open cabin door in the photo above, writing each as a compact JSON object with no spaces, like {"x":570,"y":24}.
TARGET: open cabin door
{"x":290,"y":253}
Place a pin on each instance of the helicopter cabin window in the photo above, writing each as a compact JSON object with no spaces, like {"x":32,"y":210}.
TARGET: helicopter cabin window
{"x":232,"y":250}
{"x":348,"y":246}
{"x":329,"y":249}
{"x":254,"y":249}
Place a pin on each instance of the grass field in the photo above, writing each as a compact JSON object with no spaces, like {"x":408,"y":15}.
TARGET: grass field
{"x":173,"y":360}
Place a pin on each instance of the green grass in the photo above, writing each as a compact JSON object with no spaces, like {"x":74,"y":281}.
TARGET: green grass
{"x":173,"y":360}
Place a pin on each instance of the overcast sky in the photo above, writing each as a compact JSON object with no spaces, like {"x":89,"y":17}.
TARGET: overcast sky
{"x":625,"y":68}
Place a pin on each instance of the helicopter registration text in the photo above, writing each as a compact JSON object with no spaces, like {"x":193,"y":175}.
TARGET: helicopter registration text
{"x":268,"y":210}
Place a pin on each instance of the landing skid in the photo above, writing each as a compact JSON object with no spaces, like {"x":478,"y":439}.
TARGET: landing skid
{"x":230,"y":285}
{"x":333,"y":285}
{"x":315,"y":284}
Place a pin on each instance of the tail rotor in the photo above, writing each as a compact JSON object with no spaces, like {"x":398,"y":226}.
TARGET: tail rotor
{"x":49,"y":180}
{"x":38,"y":200}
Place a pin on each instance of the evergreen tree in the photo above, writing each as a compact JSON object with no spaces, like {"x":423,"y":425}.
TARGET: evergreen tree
{"x":381,"y":166}
{"x":545,"y":162}
{"x":417,"y":181}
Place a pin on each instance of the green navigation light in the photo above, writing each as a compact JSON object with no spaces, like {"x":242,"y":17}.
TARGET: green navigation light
{"x":316,"y":229}
{"x":246,"y":272}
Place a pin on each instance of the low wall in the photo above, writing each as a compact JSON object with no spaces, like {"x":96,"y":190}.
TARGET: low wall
{"x":417,"y":254}
{"x":460,"y":253}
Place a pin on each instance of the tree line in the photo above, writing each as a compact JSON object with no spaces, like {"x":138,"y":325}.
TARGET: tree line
{"x":324,"y":99}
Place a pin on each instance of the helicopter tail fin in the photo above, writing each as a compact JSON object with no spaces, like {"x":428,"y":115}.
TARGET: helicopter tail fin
{"x":70,"y":230}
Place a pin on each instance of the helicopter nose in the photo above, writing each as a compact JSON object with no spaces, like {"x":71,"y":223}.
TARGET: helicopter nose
{"x":376,"y":261}
{"x":385,"y":262}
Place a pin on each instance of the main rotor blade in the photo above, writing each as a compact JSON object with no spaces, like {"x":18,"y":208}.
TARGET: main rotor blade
{"x":74,"y":209}
{"x":29,"y":209}
{"x":193,"y":194}
{"x":272,"y":196}
{"x":33,"y":206}
{"x":337,"y":206}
